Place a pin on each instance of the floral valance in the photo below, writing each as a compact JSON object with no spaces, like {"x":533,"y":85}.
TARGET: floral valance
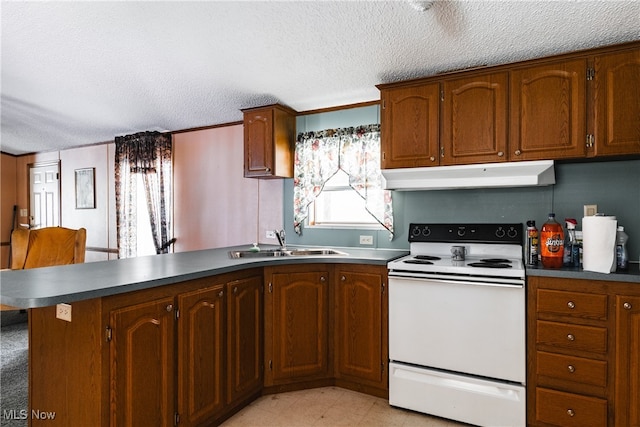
{"x":355,"y":150}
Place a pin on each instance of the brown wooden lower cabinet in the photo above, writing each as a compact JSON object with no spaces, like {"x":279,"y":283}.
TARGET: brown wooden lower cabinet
{"x":194,"y":353}
{"x":584,"y":353}
{"x":361,"y":325}
{"x":297,"y":323}
{"x":245,"y":338}
{"x":142,"y":360}
{"x":201,"y":357}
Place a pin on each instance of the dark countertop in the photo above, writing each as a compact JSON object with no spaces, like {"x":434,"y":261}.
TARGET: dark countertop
{"x":632,"y":275}
{"x":41,"y":287}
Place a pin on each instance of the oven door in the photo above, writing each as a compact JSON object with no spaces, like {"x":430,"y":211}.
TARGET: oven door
{"x":469,"y":327}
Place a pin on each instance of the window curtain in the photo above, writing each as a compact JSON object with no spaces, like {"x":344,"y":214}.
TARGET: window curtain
{"x":150,"y":155}
{"x":355,"y":150}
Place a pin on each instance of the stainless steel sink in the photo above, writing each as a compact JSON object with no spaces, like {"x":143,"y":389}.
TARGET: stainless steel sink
{"x":308,"y":252}
{"x":257,"y":254}
{"x":284,"y":252}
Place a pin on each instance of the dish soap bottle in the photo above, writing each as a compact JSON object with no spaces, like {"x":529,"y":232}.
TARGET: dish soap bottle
{"x":551,"y":243}
{"x":533,"y":238}
{"x":622,"y":258}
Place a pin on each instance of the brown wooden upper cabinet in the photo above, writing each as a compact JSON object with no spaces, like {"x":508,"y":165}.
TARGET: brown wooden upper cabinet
{"x":617,"y":103}
{"x":549,"y":111}
{"x":474,"y":119}
{"x":570,"y":106}
{"x":409,"y":123}
{"x":269,"y":136}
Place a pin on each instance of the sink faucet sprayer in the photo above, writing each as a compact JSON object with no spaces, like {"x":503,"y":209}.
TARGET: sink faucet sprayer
{"x":280,"y":235}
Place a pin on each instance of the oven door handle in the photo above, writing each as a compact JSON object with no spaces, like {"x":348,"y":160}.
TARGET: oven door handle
{"x":514,"y":284}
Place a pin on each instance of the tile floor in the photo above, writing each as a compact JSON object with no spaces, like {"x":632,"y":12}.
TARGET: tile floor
{"x":328,"y":406}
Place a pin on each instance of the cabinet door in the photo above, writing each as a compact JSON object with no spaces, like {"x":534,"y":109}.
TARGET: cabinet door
{"x":258,"y":142}
{"x":142,"y":364}
{"x":269,"y":135}
{"x":617,"y":93}
{"x":474,"y":120}
{"x":244,"y":351}
{"x":627,"y":396}
{"x":548,"y":111}
{"x":299,"y":310}
{"x":200,"y":354}
{"x":410,"y":126}
{"x":359,"y":325}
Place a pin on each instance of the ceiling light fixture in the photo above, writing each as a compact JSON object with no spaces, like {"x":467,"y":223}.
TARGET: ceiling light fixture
{"x":421,"y":5}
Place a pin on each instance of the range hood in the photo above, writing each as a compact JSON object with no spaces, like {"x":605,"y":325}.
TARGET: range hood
{"x":487,"y":175}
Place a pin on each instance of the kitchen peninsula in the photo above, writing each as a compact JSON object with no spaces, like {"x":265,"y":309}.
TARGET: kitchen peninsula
{"x":191,"y":336}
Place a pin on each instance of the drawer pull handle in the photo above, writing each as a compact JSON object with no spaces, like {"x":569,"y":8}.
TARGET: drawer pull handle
{"x":627,"y":306}
{"x":571,"y":305}
{"x":571,"y":412}
{"x":571,"y":337}
{"x":571,"y":368}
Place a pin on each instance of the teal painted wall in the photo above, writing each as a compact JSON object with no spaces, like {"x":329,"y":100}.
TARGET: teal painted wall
{"x":613,"y":185}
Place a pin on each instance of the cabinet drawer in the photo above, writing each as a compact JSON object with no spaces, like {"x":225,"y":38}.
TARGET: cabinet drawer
{"x":571,"y":410}
{"x":575,"y":337}
{"x":570,"y":368}
{"x":574,"y":304}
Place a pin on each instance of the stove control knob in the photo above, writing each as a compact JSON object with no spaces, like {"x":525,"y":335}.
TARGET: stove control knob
{"x":512,"y":232}
{"x":500,"y":232}
{"x":426,"y":231}
{"x":415,"y":231}
{"x":462,"y":231}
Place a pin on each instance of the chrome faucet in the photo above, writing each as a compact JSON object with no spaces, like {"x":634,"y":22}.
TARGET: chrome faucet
{"x":280,"y":235}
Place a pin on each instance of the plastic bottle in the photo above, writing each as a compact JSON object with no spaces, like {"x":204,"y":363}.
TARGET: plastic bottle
{"x":570,"y":241}
{"x":622,"y":258}
{"x":578,"y":258}
{"x":551,"y":243}
{"x":531,"y":249}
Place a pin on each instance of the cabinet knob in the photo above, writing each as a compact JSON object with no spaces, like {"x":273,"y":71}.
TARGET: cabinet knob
{"x":518,"y":152}
{"x":433,"y":159}
{"x":571,"y":305}
{"x":220,"y":294}
{"x":235,"y":290}
{"x":500,"y":153}
{"x":571,"y":337}
{"x":343,"y":278}
{"x":169,"y":307}
{"x":322,"y":279}
{"x":571,"y":412}
{"x":571,"y":368}
{"x":627,"y":306}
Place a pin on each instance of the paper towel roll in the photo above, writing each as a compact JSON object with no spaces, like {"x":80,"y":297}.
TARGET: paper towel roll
{"x":599,"y":243}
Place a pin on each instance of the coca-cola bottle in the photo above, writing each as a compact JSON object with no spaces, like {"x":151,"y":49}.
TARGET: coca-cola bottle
{"x":551,"y":243}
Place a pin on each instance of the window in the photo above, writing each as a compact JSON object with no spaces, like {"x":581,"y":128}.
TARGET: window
{"x":340,"y":205}
{"x":143,"y":236}
{"x":337,"y":179}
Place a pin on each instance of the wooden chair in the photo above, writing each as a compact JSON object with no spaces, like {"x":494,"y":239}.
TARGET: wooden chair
{"x":45,"y":247}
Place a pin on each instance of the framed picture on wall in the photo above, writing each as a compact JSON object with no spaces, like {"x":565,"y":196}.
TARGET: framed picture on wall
{"x":85,"y":188}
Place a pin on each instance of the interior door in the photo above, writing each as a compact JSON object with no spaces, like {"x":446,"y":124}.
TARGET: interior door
{"x":44,"y":195}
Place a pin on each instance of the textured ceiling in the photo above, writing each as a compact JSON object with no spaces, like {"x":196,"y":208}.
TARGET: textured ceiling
{"x":78,"y":73}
